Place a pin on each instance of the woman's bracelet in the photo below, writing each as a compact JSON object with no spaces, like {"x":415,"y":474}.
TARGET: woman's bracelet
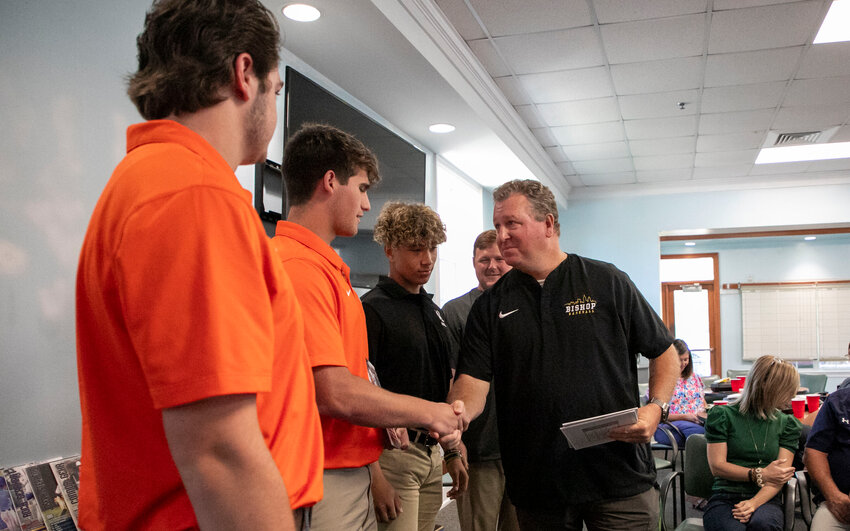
{"x":756,"y":477}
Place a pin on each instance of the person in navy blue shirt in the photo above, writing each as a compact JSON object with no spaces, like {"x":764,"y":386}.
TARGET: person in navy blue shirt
{"x":828,"y":461}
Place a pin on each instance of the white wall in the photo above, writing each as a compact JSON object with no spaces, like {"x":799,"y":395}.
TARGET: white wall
{"x":64,"y":109}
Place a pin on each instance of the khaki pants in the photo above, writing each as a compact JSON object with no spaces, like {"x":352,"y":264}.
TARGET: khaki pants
{"x":485,"y":505}
{"x":347,"y":501}
{"x":416,"y":475}
{"x":826,"y":521}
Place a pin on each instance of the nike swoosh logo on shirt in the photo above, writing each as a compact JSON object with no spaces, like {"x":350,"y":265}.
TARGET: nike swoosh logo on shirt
{"x":502,"y":315}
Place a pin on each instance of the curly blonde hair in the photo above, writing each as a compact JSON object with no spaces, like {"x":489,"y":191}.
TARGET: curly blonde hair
{"x":403,"y":224}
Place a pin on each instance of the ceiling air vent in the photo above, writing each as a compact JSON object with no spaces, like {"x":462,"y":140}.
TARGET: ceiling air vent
{"x":809,"y":137}
{"x":775,"y":138}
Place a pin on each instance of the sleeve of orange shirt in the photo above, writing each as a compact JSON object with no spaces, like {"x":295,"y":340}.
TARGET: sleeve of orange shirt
{"x":321,"y":310}
{"x":191,"y":279}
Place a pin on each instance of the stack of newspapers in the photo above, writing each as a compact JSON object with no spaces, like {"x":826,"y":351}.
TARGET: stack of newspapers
{"x":40,"y":496}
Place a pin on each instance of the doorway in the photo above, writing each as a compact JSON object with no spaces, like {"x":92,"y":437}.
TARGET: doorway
{"x":690,"y":298}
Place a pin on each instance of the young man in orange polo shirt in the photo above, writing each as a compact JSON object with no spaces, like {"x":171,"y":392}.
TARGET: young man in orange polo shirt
{"x":194,"y":381}
{"x":328,"y":173}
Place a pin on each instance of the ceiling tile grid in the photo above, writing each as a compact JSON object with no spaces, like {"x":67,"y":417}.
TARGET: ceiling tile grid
{"x":620,"y":92}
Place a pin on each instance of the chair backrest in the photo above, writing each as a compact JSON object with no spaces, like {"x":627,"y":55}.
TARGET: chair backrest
{"x":710,"y":379}
{"x":698,"y":478}
{"x":815,"y":382}
{"x":734,"y":373}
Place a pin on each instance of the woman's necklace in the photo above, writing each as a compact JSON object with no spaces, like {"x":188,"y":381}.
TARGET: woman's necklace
{"x":763,"y":444}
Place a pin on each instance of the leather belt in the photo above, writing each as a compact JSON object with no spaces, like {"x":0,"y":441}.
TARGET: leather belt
{"x":421,"y":437}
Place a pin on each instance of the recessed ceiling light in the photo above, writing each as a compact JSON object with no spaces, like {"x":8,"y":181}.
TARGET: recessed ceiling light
{"x":441,"y":128}
{"x":834,"y":150}
{"x":301,"y":12}
{"x":810,"y":238}
{"x":690,"y":244}
{"x":836,"y":25}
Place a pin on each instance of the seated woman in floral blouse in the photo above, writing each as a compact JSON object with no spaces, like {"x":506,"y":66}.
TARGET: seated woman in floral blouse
{"x":687,"y":407}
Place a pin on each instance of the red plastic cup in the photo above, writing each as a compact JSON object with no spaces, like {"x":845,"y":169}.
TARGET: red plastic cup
{"x":721,"y":402}
{"x":799,"y":407}
{"x":813,"y":402}
{"x":737,"y":385}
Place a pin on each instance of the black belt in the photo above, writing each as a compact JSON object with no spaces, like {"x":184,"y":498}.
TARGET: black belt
{"x":421,"y":437}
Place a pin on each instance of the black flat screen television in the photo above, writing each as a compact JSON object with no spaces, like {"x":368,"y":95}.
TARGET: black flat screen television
{"x":401,"y":164}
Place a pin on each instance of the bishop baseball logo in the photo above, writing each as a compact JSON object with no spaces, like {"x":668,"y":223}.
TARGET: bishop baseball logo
{"x":580,"y":306}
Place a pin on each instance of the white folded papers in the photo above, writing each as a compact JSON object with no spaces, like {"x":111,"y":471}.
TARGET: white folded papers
{"x":594,"y":430}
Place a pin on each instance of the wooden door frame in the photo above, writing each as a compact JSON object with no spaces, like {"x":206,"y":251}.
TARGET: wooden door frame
{"x":667,"y":289}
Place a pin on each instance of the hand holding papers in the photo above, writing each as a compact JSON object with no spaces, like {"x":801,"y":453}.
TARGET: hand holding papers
{"x":594,"y":430}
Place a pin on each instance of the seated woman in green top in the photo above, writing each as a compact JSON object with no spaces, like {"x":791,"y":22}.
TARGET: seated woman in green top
{"x":750,"y":448}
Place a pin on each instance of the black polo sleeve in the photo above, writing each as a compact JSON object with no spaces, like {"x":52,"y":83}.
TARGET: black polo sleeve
{"x":476,"y":354}
{"x":647,"y":334}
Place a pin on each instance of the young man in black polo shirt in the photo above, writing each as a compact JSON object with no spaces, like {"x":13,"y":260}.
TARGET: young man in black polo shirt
{"x":559,"y":336}
{"x":411,"y":350}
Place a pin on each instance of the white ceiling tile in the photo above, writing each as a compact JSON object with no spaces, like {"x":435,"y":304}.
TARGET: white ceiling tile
{"x":583,"y":167}
{"x":662,"y":146}
{"x":544,"y":136}
{"x":588,"y":133}
{"x":567,"y":85}
{"x":551,"y":51}
{"x":575,"y":181}
{"x":757,"y":28}
{"x":807,"y":118}
{"x":751,"y":67}
{"x":660,"y":127}
{"x":513,"y":90}
{"x":830,"y":165}
{"x":720,"y":5}
{"x":664,"y":162}
{"x":721,"y":172}
{"x":647,"y":40}
{"x":658,"y":105}
{"x":842,"y":135}
{"x":530,"y":116}
{"x":742,"y":97}
{"x":566,"y":168}
{"x":735,"y":122}
{"x":461,"y":19}
{"x":579,"y":112}
{"x":779,"y":169}
{"x":651,"y":176}
{"x":825,"y":91}
{"x":509,"y":17}
{"x":657,"y":76}
{"x":607,"y":150}
{"x":824,"y":60}
{"x":731,"y":141}
{"x":489,"y":58}
{"x":602,"y":179}
{"x":725,"y":158}
{"x":556,"y":154}
{"x":608,"y":11}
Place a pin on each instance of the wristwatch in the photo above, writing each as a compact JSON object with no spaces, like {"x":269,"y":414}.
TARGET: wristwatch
{"x":665,"y":407}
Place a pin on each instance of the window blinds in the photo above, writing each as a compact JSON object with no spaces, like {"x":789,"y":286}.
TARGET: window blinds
{"x":796,"y":322}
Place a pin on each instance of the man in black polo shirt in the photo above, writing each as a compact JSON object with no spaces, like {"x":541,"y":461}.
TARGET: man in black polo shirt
{"x":485,"y":505}
{"x":559,"y":336}
{"x":411,"y":350}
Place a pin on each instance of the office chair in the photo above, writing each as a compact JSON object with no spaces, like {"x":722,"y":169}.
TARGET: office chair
{"x":816,"y":383}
